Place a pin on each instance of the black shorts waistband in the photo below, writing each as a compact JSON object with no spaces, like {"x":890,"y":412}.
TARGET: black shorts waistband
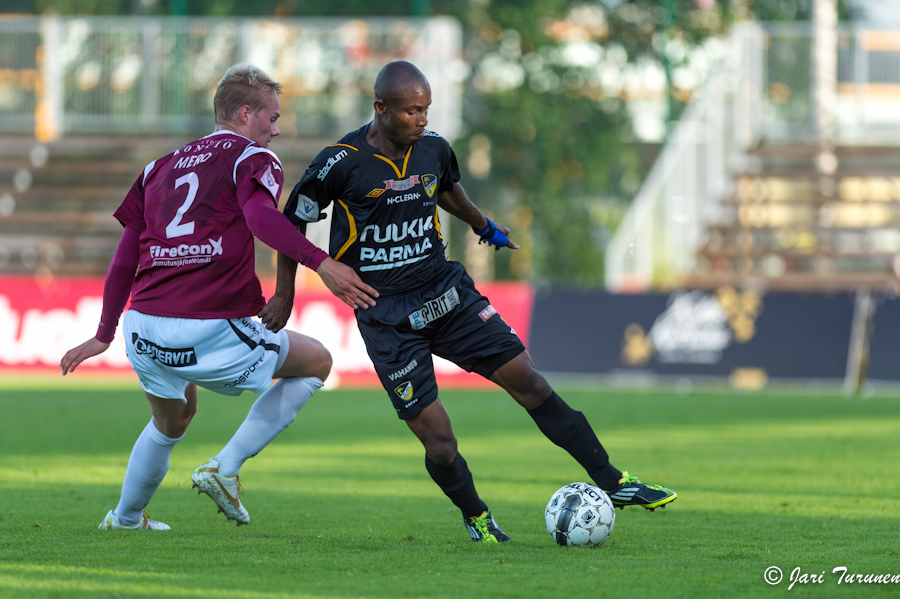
{"x":442,"y":272}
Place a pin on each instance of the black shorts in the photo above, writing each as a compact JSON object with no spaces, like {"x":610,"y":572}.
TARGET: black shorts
{"x":448,"y":318}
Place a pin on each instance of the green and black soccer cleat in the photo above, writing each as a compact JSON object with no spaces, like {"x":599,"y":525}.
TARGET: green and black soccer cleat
{"x":632,"y":491}
{"x":484,"y":529}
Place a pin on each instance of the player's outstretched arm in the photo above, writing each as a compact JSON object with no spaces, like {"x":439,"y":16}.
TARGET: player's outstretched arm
{"x":343,"y":282}
{"x":457,"y":202}
{"x":275,"y":230}
{"x":277,"y":310}
{"x":116,"y":291}
{"x":75,"y":356}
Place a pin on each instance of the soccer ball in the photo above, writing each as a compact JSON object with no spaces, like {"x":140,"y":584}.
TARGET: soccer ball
{"x":580,"y":514}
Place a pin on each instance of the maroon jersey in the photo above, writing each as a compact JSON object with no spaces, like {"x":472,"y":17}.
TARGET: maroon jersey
{"x":197,"y":253}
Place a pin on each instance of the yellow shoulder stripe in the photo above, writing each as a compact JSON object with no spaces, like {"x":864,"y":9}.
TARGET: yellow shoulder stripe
{"x":352,"y":236}
{"x":406,"y":161}
{"x":437,"y":222}
{"x":343,"y":145}
{"x":400,"y":175}
{"x":393,"y":166}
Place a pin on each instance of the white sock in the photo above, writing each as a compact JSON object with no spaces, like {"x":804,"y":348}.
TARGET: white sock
{"x":272,"y":412}
{"x":147,"y":467}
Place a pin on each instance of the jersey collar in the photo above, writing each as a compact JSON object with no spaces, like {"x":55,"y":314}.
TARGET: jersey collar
{"x":377,"y":153}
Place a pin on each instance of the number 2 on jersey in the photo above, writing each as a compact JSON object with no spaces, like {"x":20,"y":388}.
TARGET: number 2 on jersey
{"x":174,"y":229}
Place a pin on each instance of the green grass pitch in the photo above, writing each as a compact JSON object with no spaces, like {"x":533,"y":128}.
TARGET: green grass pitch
{"x":342,"y":506}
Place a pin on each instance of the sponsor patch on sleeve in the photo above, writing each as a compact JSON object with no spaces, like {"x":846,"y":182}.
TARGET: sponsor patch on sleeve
{"x":487,"y":313}
{"x":307,"y":209}
{"x":269,"y":182}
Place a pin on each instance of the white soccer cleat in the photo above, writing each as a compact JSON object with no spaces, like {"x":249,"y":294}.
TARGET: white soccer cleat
{"x":112,"y":522}
{"x":225,"y":491}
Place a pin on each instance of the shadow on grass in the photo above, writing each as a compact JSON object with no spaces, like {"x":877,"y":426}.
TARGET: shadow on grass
{"x":105,"y":421}
{"x":419,"y":548}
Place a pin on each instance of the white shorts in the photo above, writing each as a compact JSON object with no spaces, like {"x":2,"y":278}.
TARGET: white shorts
{"x":228,"y":356}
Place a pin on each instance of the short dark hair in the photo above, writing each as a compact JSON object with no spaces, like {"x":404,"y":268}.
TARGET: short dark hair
{"x":393,"y":77}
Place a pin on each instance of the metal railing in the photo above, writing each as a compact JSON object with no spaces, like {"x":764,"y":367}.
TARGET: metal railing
{"x":156,"y":76}
{"x":657,"y":239}
{"x":760,"y":93}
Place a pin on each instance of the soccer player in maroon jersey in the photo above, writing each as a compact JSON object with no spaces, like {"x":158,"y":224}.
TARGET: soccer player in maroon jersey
{"x":387,"y":180}
{"x":186,"y":258}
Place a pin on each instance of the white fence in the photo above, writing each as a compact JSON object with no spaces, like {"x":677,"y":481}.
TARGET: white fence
{"x":761,"y":92}
{"x":73,"y":75}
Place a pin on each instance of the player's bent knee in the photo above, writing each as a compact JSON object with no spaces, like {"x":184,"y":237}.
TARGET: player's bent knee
{"x":442,"y":451}
{"x":179,"y":425}
{"x":306,"y":357}
{"x":524,"y":383}
{"x":174,"y":427}
{"x":444,"y":459}
{"x":327,"y":363}
{"x":320,"y":361}
{"x":539,"y":389}
{"x":172,"y":416}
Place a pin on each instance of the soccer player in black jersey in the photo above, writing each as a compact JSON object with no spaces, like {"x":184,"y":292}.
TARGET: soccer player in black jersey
{"x":386,"y":181}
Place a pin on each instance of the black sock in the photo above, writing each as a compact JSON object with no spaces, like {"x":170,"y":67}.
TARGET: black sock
{"x":456,"y":482}
{"x":570,"y":430}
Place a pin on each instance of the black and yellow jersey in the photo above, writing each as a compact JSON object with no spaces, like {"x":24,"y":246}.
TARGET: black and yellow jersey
{"x":385,"y":219}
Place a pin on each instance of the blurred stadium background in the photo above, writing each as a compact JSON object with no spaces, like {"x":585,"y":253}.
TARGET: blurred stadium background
{"x":704,"y":190}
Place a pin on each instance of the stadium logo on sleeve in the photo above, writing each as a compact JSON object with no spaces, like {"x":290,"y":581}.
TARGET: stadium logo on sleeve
{"x":430,"y":183}
{"x":402,"y":185}
{"x":330,"y":163}
{"x":404,"y":391}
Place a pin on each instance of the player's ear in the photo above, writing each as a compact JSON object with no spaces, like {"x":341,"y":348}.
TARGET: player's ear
{"x":381,"y":108}
{"x":244,"y":113}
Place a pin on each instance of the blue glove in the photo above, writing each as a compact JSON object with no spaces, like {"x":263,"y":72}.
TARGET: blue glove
{"x":492,"y":236}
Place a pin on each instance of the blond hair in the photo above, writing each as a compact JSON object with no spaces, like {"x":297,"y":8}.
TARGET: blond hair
{"x":243,"y":85}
